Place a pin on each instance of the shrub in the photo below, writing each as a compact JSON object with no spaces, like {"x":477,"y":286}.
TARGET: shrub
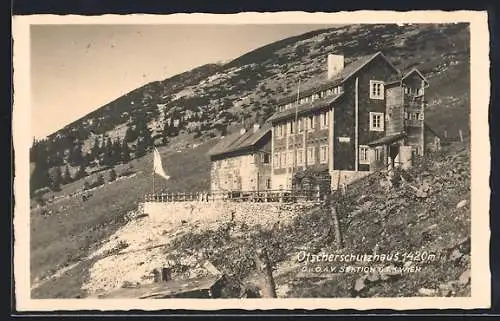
{"x":112,"y":175}
{"x":100,"y":180}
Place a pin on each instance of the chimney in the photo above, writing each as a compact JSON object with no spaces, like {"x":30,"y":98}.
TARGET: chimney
{"x":256,"y":127}
{"x":242,"y":131}
{"x":335,"y":65}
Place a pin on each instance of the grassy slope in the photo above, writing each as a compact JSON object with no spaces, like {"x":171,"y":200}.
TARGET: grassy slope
{"x":75,"y":227}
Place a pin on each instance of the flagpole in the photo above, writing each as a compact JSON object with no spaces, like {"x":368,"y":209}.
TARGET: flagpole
{"x":154,"y":148}
{"x":157,"y":167}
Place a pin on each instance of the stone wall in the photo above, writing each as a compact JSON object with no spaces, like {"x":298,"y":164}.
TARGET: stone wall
{"x":210,"y":212}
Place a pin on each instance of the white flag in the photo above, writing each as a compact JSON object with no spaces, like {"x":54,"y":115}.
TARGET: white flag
{"x":158,"y":168}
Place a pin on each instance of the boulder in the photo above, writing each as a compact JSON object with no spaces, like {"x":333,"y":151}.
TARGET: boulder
{"x":455,"y":255}
{"x":427,"y":292}
{"x":462,"y":203}
{"x":359,"y":285}
{"x":464,"y":278}
{"x":373,"y":277}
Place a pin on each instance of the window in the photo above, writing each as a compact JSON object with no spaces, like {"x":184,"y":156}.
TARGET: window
{"x":323,"y":120}
{"x":363,"y":155}
{"x":377,"y":122}
{"x":378,"y":154}
{"x":323,"y":154}
{"x":276,"y":160}
{"x":300,"y":157}
{"x":310,"y":156}
{"x":376,"y":89}
{"x":300,"y":125}
{"x":290,"y":158}
{"x":291,"y":126}
{"x":420,"y":116}
{"x":310,"y":123}
{"x":281,"y":130}
{"x":283,"y":160}
{"x":265,"y":158}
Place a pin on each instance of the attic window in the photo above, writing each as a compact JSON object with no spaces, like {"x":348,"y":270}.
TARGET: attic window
{"x":376,"y":89}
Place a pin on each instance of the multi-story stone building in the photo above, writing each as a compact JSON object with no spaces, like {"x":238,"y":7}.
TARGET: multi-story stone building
{"x":242,"y":161}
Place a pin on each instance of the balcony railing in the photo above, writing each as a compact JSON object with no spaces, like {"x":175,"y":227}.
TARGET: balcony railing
{"x":241,"y":196}
{"x":413,"y":123}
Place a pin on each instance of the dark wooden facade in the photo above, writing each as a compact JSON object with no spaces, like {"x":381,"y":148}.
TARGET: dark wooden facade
{"x":375,"y":102}
{"x":345,"y":156}
{"x":369,"y":116}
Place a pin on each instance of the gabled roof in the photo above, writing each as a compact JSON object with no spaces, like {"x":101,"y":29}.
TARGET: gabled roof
{"x":415,"y":70}
{"x":237,"y":141}
{"x":346,"y":73}
{"x":351,"y":69}
{"x":386,"y":140}
{"x":304,"y":108}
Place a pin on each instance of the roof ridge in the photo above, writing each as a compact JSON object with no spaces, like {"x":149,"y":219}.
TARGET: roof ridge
{"x":241,"y":141}
{"x":341,"y":77}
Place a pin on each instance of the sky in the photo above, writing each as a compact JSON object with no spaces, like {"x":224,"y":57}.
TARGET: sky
{"x":76,"y":69}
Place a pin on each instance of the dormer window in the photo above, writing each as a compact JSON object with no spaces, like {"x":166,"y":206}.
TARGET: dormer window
{"x":376,"y":89}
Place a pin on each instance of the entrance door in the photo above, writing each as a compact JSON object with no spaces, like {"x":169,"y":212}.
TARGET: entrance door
{"x":393,"y":153}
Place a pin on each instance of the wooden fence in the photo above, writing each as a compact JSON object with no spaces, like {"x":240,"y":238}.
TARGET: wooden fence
{"x":241,"y":196}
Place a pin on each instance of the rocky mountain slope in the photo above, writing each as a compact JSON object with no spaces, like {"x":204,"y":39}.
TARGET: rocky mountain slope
{"x":210,"y":100}
{"x":419,"y":220}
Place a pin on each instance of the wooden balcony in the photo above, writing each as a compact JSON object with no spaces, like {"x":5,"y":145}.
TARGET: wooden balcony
{"x":413,"y":105}
{"x":414,"y":123}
